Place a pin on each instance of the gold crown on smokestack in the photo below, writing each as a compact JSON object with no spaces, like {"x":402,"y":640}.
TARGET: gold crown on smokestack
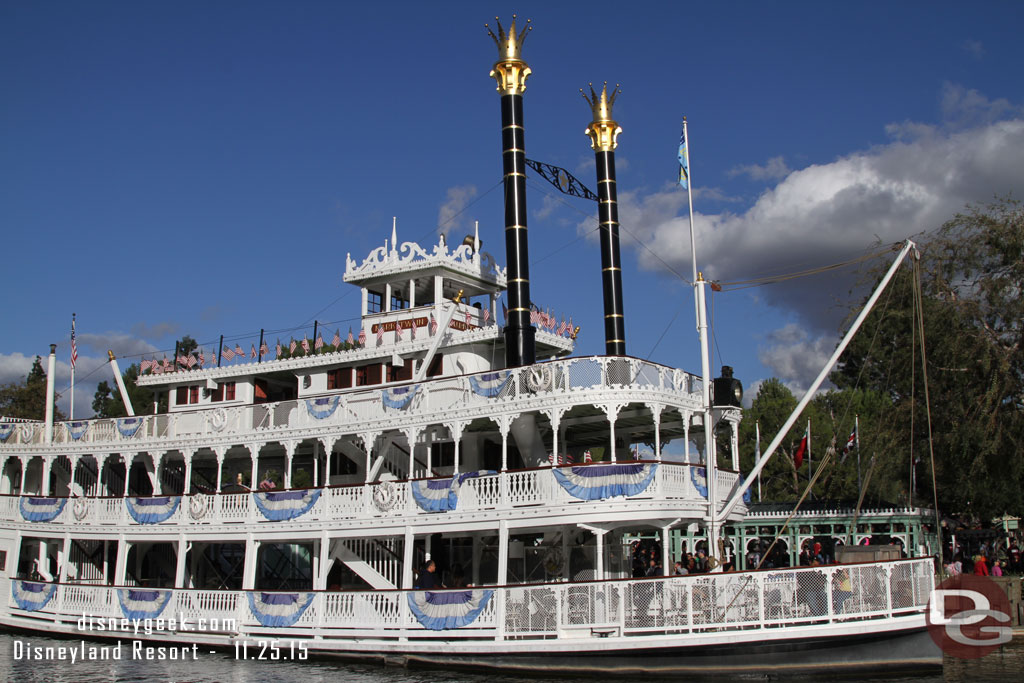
{"x":603,"y":131}
{"x":510,"y":45}
{"x":601,"y":104}
{"x":510,"y":71}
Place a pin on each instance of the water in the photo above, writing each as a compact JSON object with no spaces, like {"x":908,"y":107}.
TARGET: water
{"x":221,"y":667}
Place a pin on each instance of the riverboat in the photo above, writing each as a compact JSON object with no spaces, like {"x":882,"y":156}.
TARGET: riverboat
{"x":426,"y":492}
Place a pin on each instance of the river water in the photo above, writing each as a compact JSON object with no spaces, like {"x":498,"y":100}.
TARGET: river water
{"x":221,"y":667}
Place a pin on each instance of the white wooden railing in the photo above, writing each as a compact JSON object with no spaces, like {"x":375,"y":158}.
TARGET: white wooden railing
{"x":580,"y":377}
{"x":719,"y":602}
{"x":497,"y":492}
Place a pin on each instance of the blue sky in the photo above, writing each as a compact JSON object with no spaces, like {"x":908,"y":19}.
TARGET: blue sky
{"x":204,"y":168}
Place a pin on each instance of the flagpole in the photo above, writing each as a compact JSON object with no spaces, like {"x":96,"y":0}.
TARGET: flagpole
{"x":856,"y":444}
{"x":757,"y":455}
{"x":74,"y":358}
{"x":809,"y":467}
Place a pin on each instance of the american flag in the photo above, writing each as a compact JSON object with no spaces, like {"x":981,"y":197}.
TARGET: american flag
{"x":433,"y":325}
{"x":398,"y":331}
{"x":144,"y":365}
{"x":202,"y":358}
{"x":190,"y":361}
{"x":380,"y":333}
{"x":157,"y":369}
{"x":487,"y":315}
{"x":413,"y":329}
{"x":239,"y":351}
{"x":181,"y":360}
{"x":336,"y":342}
{"x":467,"y":317}
{"x":587,"y":457}
{"x":534,"y":316}
{"x":292,"y":346}
{"x":263,"y":349}
{"x":227,"y":354}
{"x":350,"y":340}
{"x":167,"y":365}
{"x":362,"y":337}
{"x":305,"y":344}
{"x":504,"y":312}
{"x":319,"y":342}
{"x":252,"y":351}
{"x":277,"y":349}
{"x":74,"y":344}
{"x":561,"y":328}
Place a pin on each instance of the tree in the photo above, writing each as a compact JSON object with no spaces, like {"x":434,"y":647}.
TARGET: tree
{"x":107,"y":400}
{"x":28,"y":400}
{"x":971,"y":272}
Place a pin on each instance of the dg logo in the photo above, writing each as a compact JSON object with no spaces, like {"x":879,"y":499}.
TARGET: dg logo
{"x":969,"y":616}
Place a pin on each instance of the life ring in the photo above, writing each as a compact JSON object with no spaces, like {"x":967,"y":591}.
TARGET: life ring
{"x":538,"y":378}
{"x":385,"y":496}
{"x":553,"y":562}
{"x":198,"y":506}
{"x":27,"y":432}
{"x":218,"y":419}
{"x":80,"y":509}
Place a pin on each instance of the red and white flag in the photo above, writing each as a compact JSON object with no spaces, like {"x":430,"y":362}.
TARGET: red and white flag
{"x":412,"y":328}
{"x":398,"y":331}
{"x":336,"y":342}
{"x":263,"y":349}
{"x":305,"y":344}
{"x":252,"y":351}
{"x":319,"y":342}
{"x":362,"y":337}
{"x":587,"y":457}
{"x":292,"y":346}
{"x":227,"y":354}
{"x":487,"y":315}
{"x":74,"y":346}
{"x":350,"y":340}
{"x":277,"y":349}
{"x":202,"y":358}
{"x":504,"y":313}
{"x":433,"y":325}
{"x":468,"y":315}
{"x":144,"y":365}
{"x":239,"y":351}
{"x":380,"y":334}
{"x":167,"y":365}
{"x":190,"y":361}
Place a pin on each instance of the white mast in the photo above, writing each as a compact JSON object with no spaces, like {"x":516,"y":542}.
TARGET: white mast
{"x":710,"y":457}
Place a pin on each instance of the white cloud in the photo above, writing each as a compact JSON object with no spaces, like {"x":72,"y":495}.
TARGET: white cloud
{"x":456,"y":201}
{"x":773,"y":169}
{"x":14,"y":367}
{"x":121,"y":344}
{"x":826,"y":213}
{"x":796,"y":358}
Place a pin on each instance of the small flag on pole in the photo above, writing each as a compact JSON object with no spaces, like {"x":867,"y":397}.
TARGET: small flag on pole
{"x":305,"y":344}
{"x":362,"y":337}
{"x":350,"y":340}
{"x":684,"y":160}
{"x":74,"y":343}
{"x":433,"y":325}
{"x":291,"y":346}
{"x":252,"y":351}
{"x":319,"y":342}
{"x":398,"y":331}
{"x":798,"y":457}
{"x":380,"y":334}
{"x":263,"y":349}
{"x":851,"y":444}
{"x":412,"y":328}
{"x":336,"y":341}
{"x":277,"y":349}
{"x":228,"y":354}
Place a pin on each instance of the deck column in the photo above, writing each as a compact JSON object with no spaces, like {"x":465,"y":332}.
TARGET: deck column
{"x":407,"y":558}
{"x":179,"y":570}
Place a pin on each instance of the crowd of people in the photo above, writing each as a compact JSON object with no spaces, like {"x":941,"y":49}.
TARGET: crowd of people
{"x":991,"y":559}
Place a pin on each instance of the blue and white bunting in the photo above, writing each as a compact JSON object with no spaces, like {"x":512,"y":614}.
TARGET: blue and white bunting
{"x":6,"y":429}
{"x":278,"y":609}
{"x":399,"y":397}
{"x":152,"y":510}
{"x":32,"y":595}
{"x":322,"y":408}
{"x":142,"y":604}
{"x":594,"y":482}
{"x":748,"y":496}
{"x":443,"y":610}
{"x":77,"y":429}
{"x":699,"y":477}
{"x":41,"y":509}
{"x":127,"y":426}
{"x":278,"y":506}
{"x":490,"y":384}
{"x":441,"y":495}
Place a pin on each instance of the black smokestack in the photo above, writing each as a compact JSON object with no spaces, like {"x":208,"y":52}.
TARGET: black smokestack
{"x":510,"y":71}
{"x":603,"y":133}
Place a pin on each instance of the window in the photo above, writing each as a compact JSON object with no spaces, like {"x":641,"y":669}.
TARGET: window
{"x":398,"y":303}
{"x":339,"y":379}
{"x":400,"y":373}
{"x":368,"y":374}
{"x":3,"y":560}
{"x":374,"y":302}
{"x":342,"y":464}
{"x":225,"y":392}
{"x":185,"y":395}
{"x":442,"y":454}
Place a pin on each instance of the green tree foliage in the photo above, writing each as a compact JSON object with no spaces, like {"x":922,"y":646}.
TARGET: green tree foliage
{"x":107,"y":401}
{"x":27,"y":400}
{"x":971,"y":272}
